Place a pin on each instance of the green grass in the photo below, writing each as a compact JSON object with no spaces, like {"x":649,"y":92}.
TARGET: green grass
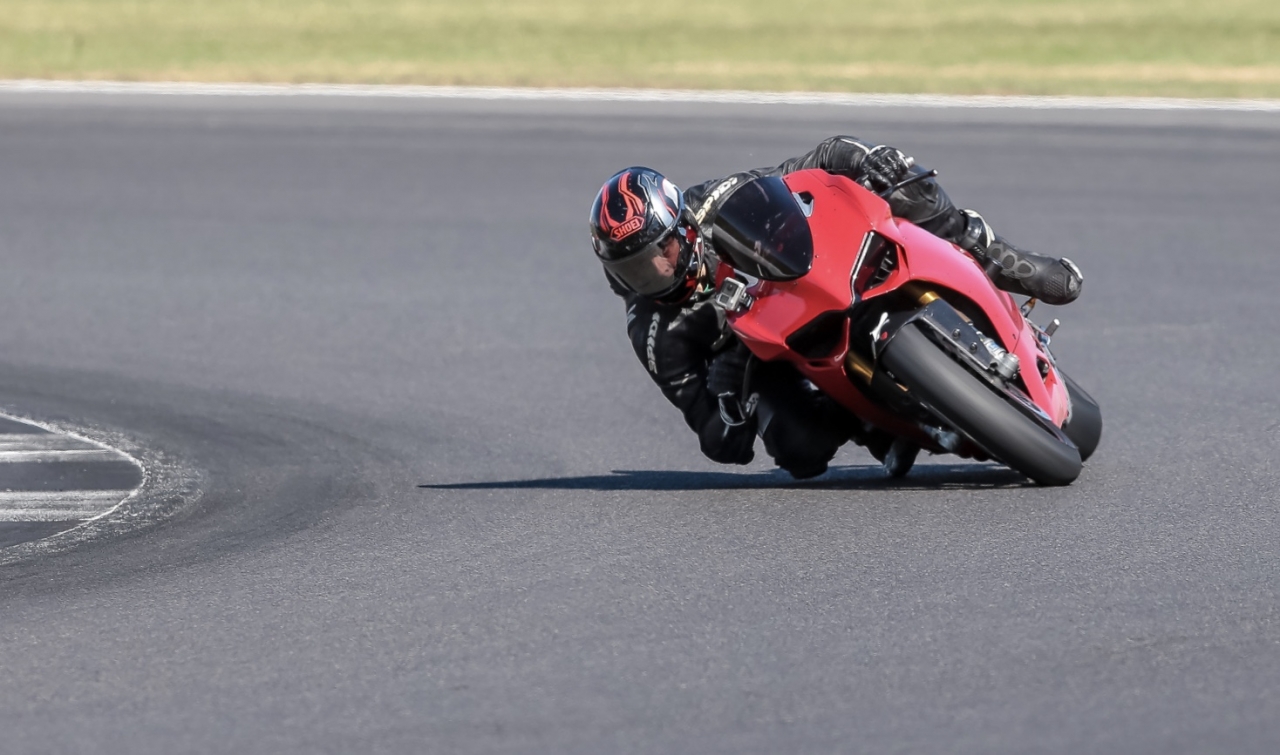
{"x":1209,"y":48}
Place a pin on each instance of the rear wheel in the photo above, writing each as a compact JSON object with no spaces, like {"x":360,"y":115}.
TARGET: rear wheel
{"x":969,"y":405}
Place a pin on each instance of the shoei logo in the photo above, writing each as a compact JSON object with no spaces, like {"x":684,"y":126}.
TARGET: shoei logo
{"x":627,"y":228}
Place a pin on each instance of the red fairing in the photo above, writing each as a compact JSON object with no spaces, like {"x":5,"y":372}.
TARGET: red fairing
{"x":843,"y":213}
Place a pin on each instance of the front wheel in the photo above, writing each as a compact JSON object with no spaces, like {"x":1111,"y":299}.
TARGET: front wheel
{"x":972,"y":407}
{"x":1085,"y":427}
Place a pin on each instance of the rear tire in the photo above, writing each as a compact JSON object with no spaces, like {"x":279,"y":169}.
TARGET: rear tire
{"x":974,"y":408}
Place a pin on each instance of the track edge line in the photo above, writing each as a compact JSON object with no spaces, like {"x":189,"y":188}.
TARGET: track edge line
{"x":741,"y":97}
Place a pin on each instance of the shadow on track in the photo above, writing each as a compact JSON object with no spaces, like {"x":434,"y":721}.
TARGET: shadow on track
{"x":923,"y":477}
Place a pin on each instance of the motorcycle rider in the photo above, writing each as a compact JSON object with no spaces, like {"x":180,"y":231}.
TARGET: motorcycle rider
{"x":651,"y":239}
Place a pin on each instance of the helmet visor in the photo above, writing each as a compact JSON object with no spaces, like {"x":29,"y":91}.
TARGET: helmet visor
{"x":660,"y":266}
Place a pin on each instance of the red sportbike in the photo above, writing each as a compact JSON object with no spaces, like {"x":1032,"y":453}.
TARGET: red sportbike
{"x":902,"y":328}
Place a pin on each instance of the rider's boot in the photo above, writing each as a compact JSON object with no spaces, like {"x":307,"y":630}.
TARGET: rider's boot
{"x":1053,"y":281}
{"x":897,"y":455}
{"x":900,"y":457}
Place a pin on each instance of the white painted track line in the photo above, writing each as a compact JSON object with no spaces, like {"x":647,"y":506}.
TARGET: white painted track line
{"x":42,"y":442}
{"x":84,"y":455}
{"x":51,"y":447}
{"x":40,"y":86}
{"x":57,"y":506}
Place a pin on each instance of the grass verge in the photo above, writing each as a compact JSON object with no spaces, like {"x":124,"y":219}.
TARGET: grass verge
{"x":1228,"y":48}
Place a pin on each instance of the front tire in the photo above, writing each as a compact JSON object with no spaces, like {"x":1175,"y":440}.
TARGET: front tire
{"x":1085,"y":427}
{"x":969,"y":405}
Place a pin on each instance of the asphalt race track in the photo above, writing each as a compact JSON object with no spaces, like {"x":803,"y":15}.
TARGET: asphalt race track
{"x":410,"y":490}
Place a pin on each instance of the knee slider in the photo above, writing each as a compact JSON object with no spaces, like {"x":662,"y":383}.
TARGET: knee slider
{"x":803,"y":471}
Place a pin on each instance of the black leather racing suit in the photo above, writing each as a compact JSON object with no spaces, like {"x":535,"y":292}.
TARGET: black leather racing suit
{"x":801,"y":428}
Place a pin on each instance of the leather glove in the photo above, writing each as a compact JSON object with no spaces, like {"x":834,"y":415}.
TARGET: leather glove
{"x":884,"y":167}
{"x":726,"y":378}
{"x":728,"y":371}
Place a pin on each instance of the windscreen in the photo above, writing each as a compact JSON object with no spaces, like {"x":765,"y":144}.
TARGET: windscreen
{"x":762,"y":231}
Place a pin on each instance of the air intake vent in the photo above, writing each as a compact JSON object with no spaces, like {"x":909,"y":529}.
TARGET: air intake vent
{"x":877,"y":259}
{"x":820,"y":336}
{"x":888,"y":264}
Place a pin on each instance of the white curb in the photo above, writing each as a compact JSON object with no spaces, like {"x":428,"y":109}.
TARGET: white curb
{"x":37,"y":86}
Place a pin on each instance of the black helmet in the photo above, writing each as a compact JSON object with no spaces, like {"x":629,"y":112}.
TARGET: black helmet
{"x":645,"y":237}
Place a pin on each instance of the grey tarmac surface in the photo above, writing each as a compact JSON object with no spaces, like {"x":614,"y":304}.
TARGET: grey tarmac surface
{"x":316,"y":306}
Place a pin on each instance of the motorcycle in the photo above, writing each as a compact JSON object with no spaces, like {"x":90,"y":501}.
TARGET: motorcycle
{"x":900,"y":327}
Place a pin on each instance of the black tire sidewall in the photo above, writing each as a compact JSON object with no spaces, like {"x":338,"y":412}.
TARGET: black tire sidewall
{"x":1085,"y":427}
{"x":975,"y":409}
